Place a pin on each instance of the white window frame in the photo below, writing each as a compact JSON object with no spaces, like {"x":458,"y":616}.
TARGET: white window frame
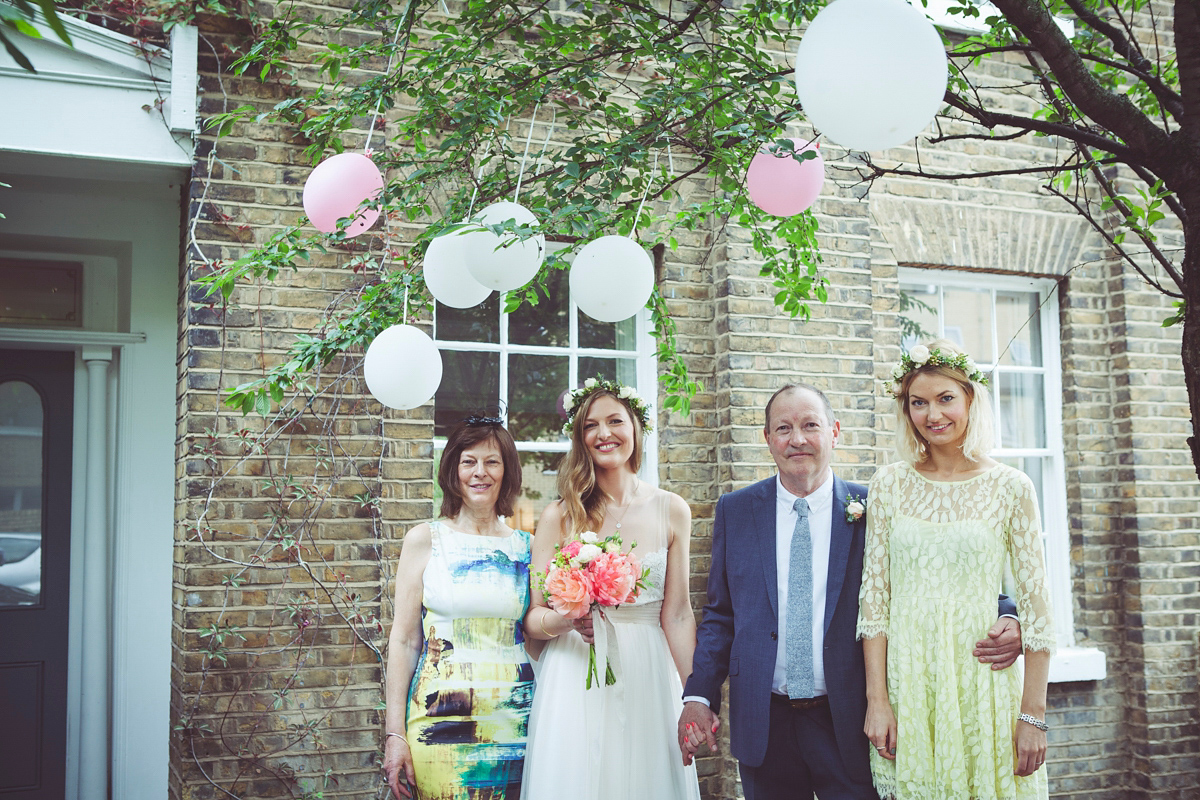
{"x":1071,"y":663}
{"x":645,"y":368}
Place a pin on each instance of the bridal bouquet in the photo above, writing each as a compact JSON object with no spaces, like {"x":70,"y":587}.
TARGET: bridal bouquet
{"x":590,"y":573}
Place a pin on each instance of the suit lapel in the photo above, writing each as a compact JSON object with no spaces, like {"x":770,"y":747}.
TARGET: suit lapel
{"x":763,"y":511}
{"x":841,"y":534}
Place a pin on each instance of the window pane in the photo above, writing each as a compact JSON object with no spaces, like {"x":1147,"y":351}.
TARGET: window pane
{"x":622,"y":370}
{"x":539,"y":487}
{"x":968,"y":321}
{"x":1019,"y":327}
{"x":534,"y":386}
{"x":1022,"y":410}
{"x":21,"y":425}
{"x":470,"y":383}
{"x":1034,"y":467}
{"x":546,"y":323}
{"x":918,"y":314}
{"x":607,"y":335}
{"x":479,"y":323}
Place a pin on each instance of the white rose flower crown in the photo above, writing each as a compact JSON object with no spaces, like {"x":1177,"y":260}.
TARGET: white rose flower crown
{"x":627,"y":393}
{"x":922,"y":356}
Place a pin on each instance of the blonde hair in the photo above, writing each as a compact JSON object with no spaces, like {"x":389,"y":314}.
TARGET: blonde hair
{"x":980,"y":438}
{"x":582,"y":500}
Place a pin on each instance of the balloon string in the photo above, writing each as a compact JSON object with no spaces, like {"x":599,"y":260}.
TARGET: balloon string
{"x":528,"y":140}
{"x":645,"y":192}
{"x":406,"y":304}
{"x":391,"y":60}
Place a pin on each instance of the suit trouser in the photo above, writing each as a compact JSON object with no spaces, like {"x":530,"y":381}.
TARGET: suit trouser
{"x":802,"y":759}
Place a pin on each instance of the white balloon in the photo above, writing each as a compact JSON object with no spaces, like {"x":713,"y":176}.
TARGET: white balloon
{"x":403,"y":367}
{"x":611,"y":278}
{"x":870,"y":74}
{"x":504,"y":263}
{"x":446,"y":272}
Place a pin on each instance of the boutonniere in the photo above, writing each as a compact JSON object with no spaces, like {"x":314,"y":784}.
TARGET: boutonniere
{"x":854,"y":508}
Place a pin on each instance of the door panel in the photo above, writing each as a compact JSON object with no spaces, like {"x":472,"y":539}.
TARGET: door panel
{"x":35,"y":544}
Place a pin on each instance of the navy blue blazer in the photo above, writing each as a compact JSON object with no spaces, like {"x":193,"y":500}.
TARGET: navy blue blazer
{"x":738,"y":636}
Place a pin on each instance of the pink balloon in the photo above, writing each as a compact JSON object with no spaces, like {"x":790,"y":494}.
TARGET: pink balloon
{"x":337,"y":187}
{"x":783,"y":186}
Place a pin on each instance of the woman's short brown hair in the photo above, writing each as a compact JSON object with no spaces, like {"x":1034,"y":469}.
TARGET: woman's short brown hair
{"x":463,"y":437}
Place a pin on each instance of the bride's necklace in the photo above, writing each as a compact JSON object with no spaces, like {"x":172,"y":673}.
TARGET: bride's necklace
{"x":625,"y":509}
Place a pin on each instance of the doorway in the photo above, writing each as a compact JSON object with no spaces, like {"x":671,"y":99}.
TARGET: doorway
{"x":36,"y":399}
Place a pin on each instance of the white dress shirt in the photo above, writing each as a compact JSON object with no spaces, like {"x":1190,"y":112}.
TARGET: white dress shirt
{"x":820,"y":520}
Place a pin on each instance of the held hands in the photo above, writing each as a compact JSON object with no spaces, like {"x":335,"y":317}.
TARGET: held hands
{"x":697,"y":725}
{"x":1030,"y":744}
{"x":398,"y":767}
{"x":880,"y":728}
{"x":1002,"y":645}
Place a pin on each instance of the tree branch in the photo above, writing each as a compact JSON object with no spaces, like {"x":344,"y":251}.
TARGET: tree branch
{"x":1167,"y":96}
{"x":1121,"y":45}
{"x":1121,"y":206}
{"x":1112,"y":111}
{"x":1086,"y":214}
{"x":991,"y":119}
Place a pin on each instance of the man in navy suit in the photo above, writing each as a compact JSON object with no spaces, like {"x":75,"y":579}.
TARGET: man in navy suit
{"x":796,"y":728}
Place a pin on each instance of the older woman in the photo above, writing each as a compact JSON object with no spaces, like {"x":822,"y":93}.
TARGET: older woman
{"x":941,"y":524}
{"x":456,"y":651}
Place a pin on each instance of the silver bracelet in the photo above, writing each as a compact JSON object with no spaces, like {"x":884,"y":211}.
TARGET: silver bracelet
{"x":1040,"y":724}
{"x":399,"y":736}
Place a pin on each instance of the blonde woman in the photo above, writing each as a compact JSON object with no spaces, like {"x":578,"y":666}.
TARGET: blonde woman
{"x":941,"y":524}
{"x":613,"y":741}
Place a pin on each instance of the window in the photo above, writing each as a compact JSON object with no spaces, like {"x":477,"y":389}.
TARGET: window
{"x":525,"y":362}
{"x":1009,"y":325}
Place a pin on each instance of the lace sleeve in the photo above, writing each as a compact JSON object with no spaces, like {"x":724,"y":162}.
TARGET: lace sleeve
{"x":1024,"y":538}
{"x":875,"y":594}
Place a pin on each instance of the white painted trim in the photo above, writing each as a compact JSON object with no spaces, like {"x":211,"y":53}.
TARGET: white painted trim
{"x":105,"y":45}
{"x":80,"y":78}
{"x":1078,"y":664}
{"x":64,"y":338}
{"x":94,"y":727}
{"x":184,"y":78}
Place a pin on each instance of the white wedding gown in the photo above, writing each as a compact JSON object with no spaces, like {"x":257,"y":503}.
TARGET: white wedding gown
{"x":614,"y":742}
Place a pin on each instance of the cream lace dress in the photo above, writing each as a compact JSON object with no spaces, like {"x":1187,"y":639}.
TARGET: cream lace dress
{"x":935,"y":558}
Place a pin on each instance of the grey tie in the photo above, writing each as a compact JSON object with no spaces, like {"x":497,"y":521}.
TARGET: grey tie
{"x":799,"y":608}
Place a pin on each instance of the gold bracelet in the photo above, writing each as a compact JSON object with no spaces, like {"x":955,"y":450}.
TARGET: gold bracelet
{"x":542,"y":624}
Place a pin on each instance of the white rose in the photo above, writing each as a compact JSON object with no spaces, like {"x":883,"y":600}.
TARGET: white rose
{"x":971,"y":367}
{"x":919,"y":354}
{"x":898,"y":372}
{"x":575,"y":563}
{"x":588,"y":537}
{"x":855,"y":509}
{"x":587,"y":553}
{"x":590,"y":383}
{"x":625,"y":393}
{"x":612,"y":547}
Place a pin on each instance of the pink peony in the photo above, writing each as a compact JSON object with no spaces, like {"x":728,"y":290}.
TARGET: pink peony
{"x":614,"y":578}
{"x":569,"y":592}
{"x":571,"y":548}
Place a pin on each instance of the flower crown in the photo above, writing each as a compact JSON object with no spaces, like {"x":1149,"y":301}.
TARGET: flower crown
{"x":922,"y":356}
{"x":575,"y":398}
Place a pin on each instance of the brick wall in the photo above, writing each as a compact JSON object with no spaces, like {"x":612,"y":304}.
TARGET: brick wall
{"x":1131,"y":491}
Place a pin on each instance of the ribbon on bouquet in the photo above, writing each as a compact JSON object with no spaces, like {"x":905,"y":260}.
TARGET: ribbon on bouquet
{"x":605,"y":657}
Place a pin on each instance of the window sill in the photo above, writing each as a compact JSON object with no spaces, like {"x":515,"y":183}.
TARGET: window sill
{"x":1077,"y":664}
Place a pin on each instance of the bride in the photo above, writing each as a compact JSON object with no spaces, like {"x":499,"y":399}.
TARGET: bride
{"x":613,"y":741}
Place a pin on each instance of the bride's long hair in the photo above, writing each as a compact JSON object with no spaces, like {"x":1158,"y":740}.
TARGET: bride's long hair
{"x":583,"y":502}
